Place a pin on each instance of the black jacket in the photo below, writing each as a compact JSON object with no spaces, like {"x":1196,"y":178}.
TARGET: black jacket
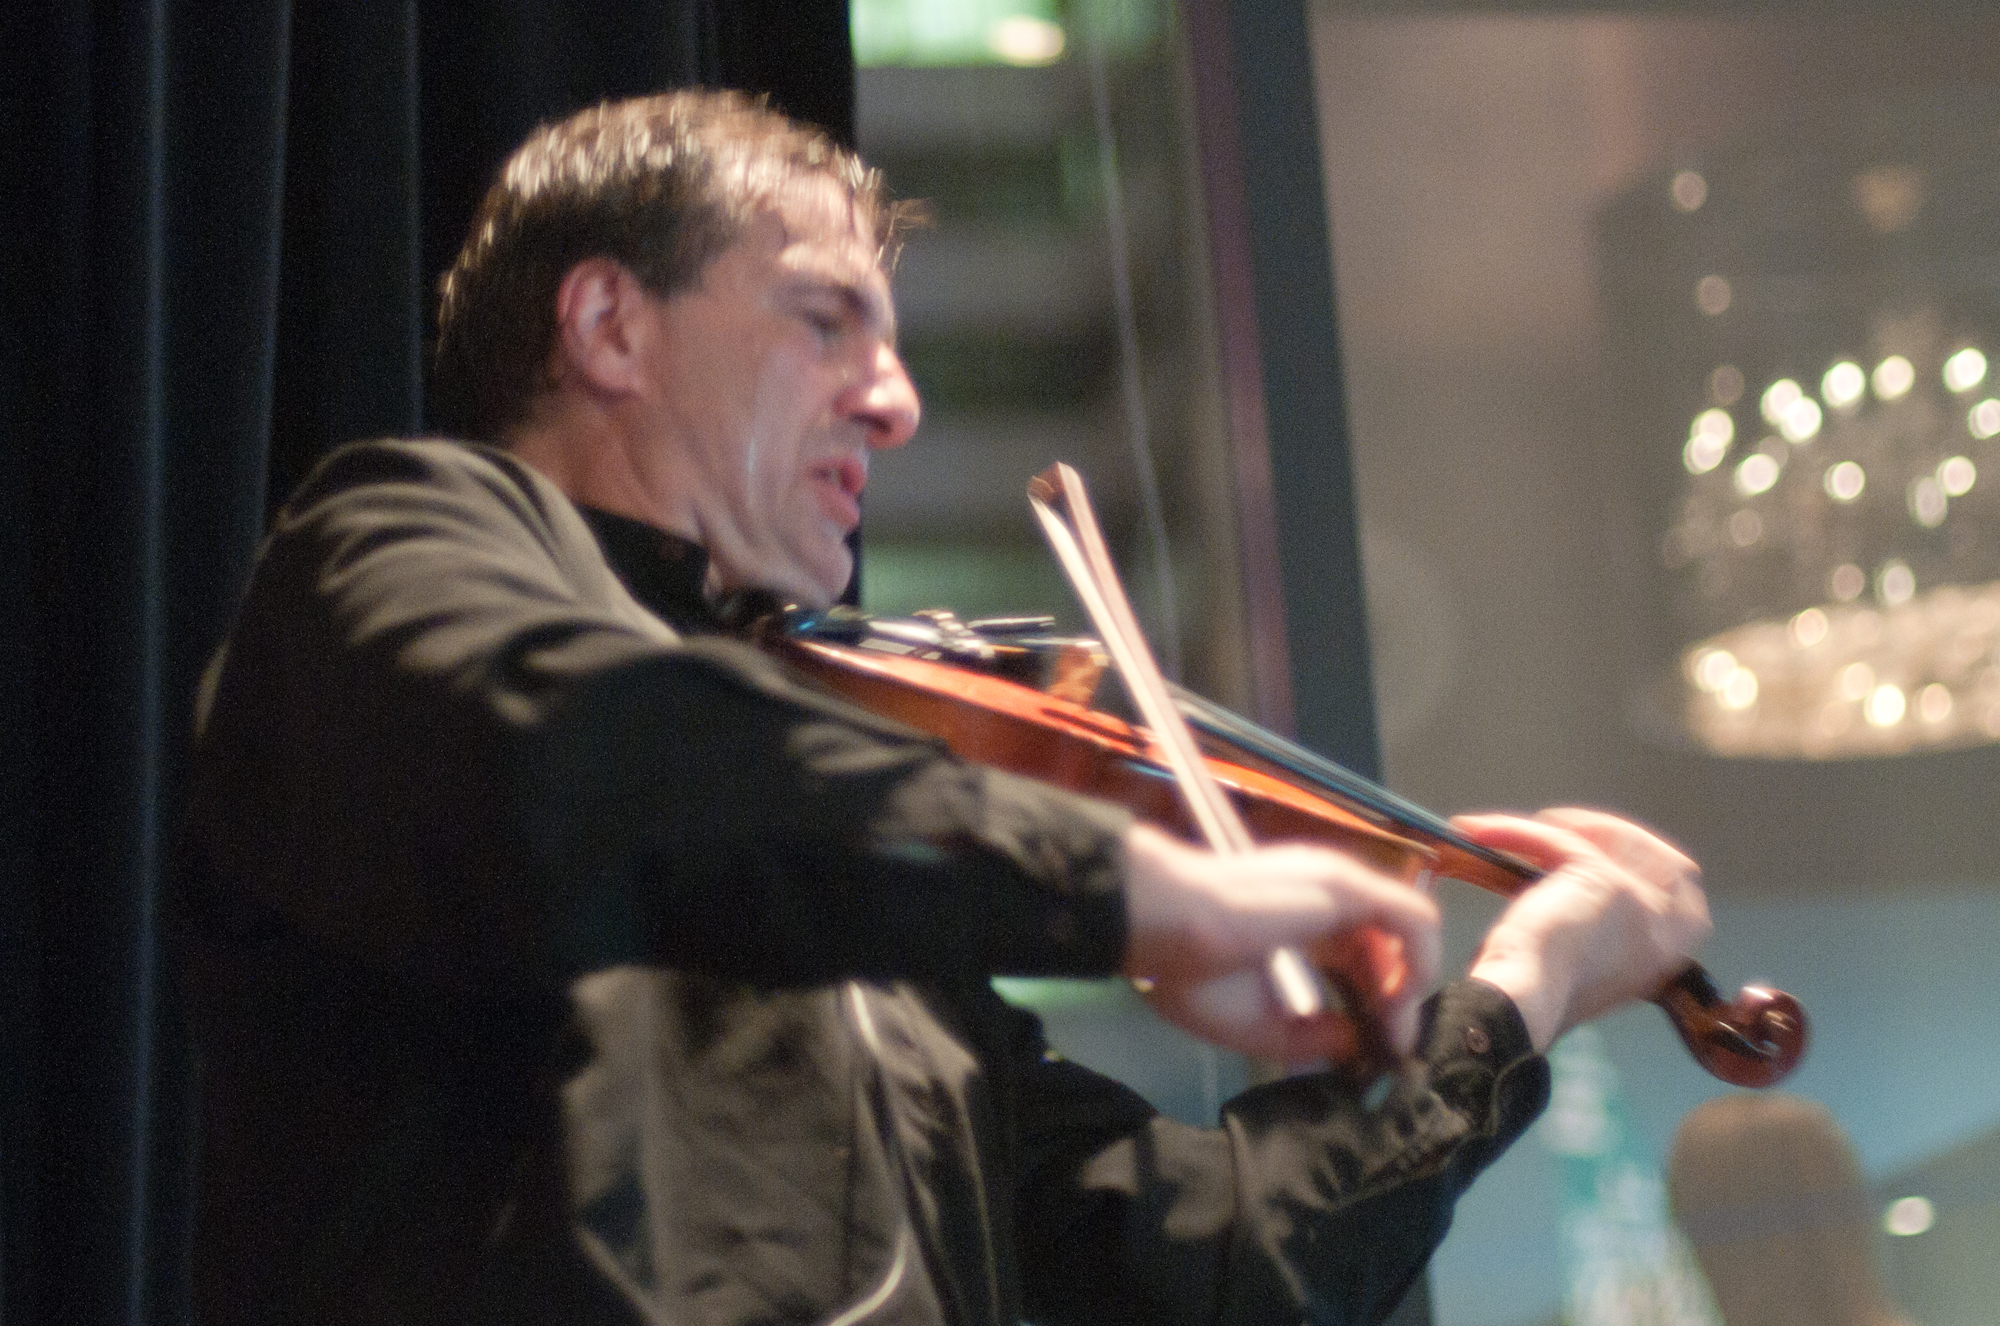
{"x":553,"y":963}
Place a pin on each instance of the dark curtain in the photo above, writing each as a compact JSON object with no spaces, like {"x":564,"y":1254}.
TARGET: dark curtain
{"x":223,"y":222}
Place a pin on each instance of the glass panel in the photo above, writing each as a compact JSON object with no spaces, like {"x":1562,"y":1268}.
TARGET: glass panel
{"x":1526,"y":209}
{"x":1057,"y":309}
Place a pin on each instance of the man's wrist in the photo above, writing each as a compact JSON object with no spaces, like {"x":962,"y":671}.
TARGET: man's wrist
{"x":1160,"y":912}
{"x":1525,"y":980}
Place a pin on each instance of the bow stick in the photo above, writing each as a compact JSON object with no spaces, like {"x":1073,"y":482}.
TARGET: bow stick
{"x":1062,"y":505}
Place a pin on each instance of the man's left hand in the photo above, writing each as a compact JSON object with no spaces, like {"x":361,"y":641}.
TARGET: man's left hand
{"x":1619,"y":912}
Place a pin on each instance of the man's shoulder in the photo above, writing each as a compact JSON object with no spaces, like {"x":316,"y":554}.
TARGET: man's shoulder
{"x":402,"y":554}
{"x":434,"y":487}
{"x":439,"y":462}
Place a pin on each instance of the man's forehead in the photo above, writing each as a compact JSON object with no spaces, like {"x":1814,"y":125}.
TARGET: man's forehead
{"x":811,"y":219}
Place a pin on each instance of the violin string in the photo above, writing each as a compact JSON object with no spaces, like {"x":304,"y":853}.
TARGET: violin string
{"x":1131,"y":382}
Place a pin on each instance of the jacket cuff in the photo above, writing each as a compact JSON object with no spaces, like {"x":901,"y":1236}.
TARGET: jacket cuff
{"x":1482,"y":1060}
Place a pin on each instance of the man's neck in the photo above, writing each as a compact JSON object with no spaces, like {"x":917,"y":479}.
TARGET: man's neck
{"x":584,"y":451}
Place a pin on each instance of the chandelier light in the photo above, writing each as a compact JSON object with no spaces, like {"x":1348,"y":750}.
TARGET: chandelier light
{"x":1826,"y":382}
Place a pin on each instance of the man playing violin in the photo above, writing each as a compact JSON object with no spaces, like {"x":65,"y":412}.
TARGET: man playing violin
{"x":557,"y":956}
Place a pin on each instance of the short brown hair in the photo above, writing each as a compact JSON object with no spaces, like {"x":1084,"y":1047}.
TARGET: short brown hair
{"x":660,"y":184}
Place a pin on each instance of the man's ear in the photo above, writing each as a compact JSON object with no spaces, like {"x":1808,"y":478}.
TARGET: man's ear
{"x":599,"y":337}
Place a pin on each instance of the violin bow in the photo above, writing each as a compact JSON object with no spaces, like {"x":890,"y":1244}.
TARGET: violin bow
{"x":1062,"y":505}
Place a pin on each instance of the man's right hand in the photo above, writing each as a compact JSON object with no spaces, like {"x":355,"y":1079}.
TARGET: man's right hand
{"x":1202,"y":928}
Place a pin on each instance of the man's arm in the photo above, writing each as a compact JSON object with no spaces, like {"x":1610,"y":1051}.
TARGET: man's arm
{"x":1310,"y":1204}
{"x":444,"y":738}
{"x":1306,"y":1205}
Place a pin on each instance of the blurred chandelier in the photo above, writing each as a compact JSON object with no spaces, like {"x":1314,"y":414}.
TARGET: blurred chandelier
{"x":1852,"y":490}
{"x":1833,"y":535}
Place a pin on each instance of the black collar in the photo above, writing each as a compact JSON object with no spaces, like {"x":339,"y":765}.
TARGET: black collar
{"x":665,"y":572}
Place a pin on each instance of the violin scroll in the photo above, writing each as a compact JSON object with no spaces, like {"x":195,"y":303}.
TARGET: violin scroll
{"x":1752,"y":1041}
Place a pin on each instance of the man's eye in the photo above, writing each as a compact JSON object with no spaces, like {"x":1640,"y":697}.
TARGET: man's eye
{"x":825,"y":324}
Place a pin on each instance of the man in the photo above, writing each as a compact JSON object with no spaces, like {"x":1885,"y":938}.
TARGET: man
{"x":556,"y":957}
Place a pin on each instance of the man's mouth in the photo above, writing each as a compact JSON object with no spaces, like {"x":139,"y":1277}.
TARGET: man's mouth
{"x":840,"y":480}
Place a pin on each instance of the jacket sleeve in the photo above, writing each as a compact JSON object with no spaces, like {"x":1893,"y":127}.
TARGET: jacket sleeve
{"x":1304,"y":1206}
{"x":443,"y":737}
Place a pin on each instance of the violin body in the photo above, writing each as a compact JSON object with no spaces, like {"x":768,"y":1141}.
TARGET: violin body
{"x":1005,"y":725}
{"x":974,"y":693}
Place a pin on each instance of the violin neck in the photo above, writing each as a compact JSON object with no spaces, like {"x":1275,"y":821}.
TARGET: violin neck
{"x":1459,"y":857}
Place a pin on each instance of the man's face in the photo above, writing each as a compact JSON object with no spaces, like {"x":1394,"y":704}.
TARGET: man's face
{"x":775,"y":378}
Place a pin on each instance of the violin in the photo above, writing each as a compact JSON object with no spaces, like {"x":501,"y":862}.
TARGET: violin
{"x":1010,"y":694}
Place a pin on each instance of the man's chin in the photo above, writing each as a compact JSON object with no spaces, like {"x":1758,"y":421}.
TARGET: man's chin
{"x":810,"y":587}
{"x":820,"y":596}
{"x":822,"y":586}
{"x":817,"y":599}
{"x":810,"y":579}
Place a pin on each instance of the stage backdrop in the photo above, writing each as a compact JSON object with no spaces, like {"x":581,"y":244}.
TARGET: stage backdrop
{"x":223,"y":225}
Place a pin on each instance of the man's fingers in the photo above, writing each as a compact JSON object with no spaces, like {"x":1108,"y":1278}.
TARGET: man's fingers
{"x":1203,"y":927}
{"x":1536,"y":841}
{"x":1306,"y":895}
{"x":1403,"y":973}
{"x":1557,"y":837}
{"x":1637,"y":849}
{"x":1379,"y":976}
{"x":1382,"y":904}
{"x":1618,"y":911}
{"x":1380,"y":936}
{"x":1648,"y":856}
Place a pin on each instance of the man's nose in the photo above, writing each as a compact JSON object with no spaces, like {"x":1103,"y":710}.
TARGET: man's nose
{"x":886,"y":401}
